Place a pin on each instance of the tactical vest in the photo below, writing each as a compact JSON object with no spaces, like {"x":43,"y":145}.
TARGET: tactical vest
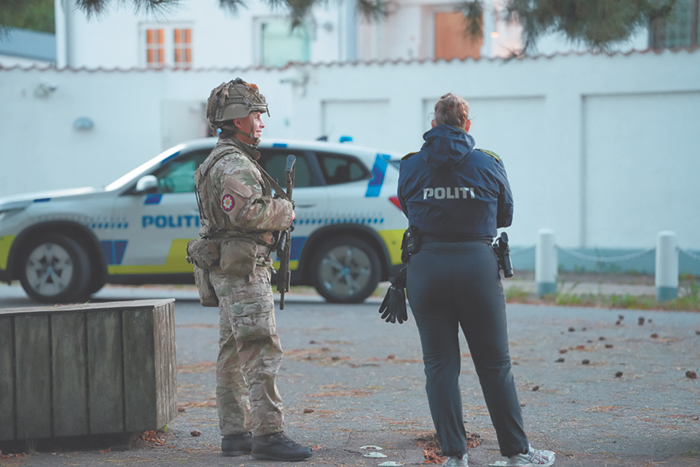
{"x":213,"y":221}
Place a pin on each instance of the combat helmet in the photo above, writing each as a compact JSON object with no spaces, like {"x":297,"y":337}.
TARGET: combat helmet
{"x":235,"y":99}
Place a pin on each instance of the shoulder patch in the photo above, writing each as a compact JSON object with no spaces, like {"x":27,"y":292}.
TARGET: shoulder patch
{"x":409,"y":155}
{"x":490,"y":153}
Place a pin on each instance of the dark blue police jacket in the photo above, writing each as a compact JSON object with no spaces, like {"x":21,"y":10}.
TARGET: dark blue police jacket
{"x":449,"y":188}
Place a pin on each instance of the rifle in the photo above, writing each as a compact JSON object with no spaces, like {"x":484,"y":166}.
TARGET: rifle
{"x":284,"y":275}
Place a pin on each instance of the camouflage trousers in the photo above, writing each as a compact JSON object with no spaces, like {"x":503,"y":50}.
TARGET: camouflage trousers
{"x":250,"y":354}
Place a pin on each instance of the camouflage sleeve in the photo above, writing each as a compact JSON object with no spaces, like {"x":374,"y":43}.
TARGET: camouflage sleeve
{"x":242,"y":200}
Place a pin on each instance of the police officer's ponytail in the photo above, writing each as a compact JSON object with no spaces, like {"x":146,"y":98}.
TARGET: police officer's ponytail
{"x":451,"y":110}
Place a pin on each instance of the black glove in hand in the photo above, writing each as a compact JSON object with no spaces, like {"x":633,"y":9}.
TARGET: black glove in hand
{"x":393,"y":307}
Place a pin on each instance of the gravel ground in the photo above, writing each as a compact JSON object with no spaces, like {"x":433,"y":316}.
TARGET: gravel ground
{"x":620,"y":397}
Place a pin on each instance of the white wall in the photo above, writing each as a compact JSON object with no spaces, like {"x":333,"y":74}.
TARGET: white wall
{"x":599,"y":148}
{"x":9,"y":61}
{"x":220,"y":38}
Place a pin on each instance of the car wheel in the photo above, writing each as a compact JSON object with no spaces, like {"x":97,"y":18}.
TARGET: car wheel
{"x":345,"y":270}
{"x":96,"y":282}
{"x":55,"y":269}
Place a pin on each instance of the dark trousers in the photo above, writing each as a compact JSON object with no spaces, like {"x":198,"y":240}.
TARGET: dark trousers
{"x":453,"y":285}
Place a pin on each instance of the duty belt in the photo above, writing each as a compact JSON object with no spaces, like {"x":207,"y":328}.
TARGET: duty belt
{"x":426,"y":238}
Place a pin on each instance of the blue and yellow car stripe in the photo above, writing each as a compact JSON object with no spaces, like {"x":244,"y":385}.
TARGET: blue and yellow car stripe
{"x":175,"y":263}
{"x":5,"y":245}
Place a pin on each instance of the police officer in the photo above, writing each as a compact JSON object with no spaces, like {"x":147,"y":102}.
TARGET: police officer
{"x":240,"y":218}
{"x":456,"y":197}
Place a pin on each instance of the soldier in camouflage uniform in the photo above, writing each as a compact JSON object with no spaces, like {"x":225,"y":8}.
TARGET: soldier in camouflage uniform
{"x":240,"y":220}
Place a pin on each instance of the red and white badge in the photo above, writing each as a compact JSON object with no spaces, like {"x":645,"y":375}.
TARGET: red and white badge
{"x":227,"y":202}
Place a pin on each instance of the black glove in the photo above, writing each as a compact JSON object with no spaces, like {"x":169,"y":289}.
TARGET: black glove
{"x":393,"y":307}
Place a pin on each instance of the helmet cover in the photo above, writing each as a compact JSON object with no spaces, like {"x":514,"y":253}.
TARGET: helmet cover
{"x":235,"y":99}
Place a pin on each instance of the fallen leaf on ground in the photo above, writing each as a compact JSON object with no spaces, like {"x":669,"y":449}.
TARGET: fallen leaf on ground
{"x":151,"y":437}
{"x":195,"y":404}
{"x":200,"y":367}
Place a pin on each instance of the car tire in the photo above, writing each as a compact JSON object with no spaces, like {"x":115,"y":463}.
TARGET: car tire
{"x":345,"y":270}
{"x":55,"y":269}
{"x":96,"y":282}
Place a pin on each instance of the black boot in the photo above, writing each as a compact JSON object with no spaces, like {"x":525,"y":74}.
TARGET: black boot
{"x":277,"y":447}
{"x":237,"y":445}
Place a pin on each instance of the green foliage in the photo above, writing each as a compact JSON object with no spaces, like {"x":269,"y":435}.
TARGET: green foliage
{"x":36,"y":15}
{"x":517,"y":294}
{"x":688,"y":300}
{"x":597,"y":24}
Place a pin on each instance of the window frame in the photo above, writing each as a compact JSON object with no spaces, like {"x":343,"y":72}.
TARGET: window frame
{"x":326,"y":177}
{"x":658,"y":30}
{"x":169,"y":45}
{"x":152,"y":47}
{"x":257,"y":41}
{"x":316,"y":176}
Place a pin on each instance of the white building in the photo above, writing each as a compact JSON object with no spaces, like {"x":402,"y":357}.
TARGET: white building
{"x":200,"y":35}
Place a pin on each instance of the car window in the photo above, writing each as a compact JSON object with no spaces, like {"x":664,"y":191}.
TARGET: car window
{"x":339,"y":169}
{"x":274,"y":161}
{"x":177,"y":176}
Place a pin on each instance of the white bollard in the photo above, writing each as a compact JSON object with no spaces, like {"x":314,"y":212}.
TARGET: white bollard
{"x":666,"y":266}
{"x":546,"y":263}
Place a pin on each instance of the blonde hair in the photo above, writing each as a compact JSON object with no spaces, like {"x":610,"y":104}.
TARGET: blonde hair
{"x":451,"y":110}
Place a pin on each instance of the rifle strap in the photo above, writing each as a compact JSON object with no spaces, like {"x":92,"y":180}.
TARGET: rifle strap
{"x":275,"y":186}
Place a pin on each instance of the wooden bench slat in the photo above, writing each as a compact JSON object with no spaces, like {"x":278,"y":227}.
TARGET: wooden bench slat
{"x":33,"y":373}
{"x":7,"y":379}
{"x":105,"y":372}
{"x":69,"y":349}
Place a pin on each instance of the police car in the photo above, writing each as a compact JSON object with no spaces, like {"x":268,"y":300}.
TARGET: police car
{"x":64,"y":246}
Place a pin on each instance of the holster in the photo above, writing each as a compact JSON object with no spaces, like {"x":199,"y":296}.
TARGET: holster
{"x":410,"y":243}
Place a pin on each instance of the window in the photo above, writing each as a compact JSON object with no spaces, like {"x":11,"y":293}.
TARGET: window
{"x":280,"y":45}
{"x":679,"y":30}
{"x":167,"y":45}
{"x":155,"y":48}
{"x":339,"y":169}
{"x":275,"y":162}
{"x":182,"y":40}
{"x":450,"y":39}
{"x":178,"y":175}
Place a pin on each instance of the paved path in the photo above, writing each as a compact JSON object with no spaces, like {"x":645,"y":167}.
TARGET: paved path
{"x":351,"y":380}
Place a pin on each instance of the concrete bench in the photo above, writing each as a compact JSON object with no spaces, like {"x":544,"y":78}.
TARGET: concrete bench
{"x":98,"y":368}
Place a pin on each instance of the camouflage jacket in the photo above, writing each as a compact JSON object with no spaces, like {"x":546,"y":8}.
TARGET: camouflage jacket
{"x":235,"y":200}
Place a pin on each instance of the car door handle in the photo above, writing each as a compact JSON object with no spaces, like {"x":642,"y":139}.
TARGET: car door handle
{"x":305,"y":205}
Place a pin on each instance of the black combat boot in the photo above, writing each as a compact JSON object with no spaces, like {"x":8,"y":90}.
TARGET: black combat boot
{"x":237,"y":445}
{"x":277,"y":447}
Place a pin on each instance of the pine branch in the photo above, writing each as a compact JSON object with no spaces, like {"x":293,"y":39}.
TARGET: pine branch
{"x":373,"y":10}
{"x":473,"y":11}
{"x":597,"y":24}
{"x":232,"y":5}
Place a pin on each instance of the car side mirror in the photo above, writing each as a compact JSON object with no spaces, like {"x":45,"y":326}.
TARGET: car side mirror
{"x":147,"y":184}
